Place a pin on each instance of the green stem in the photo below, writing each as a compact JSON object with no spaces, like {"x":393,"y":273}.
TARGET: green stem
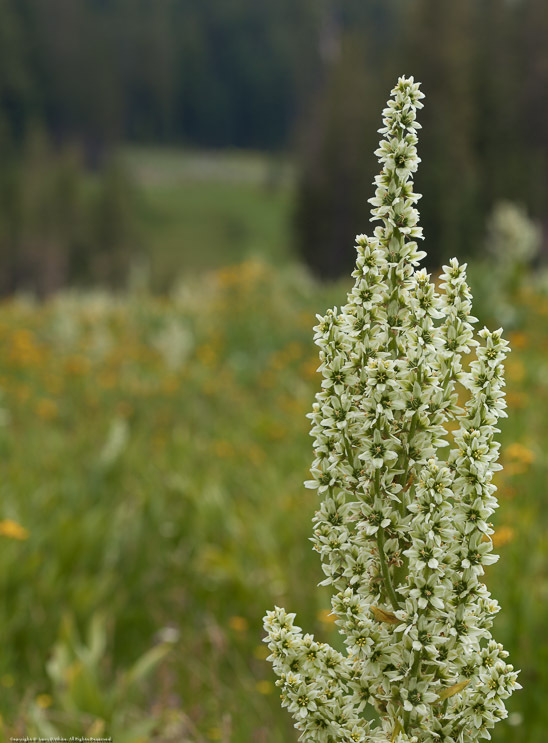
{"x":382,"y":557}
{"x":413,"y":672}
{"x":385,"y":571}
{"x":410,"y":435}
{"x":348,"y":450}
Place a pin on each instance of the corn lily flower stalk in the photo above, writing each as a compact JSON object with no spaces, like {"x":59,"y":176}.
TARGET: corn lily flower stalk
{"x":403,"y":528}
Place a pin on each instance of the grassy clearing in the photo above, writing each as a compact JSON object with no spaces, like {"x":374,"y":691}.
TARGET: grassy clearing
{"x":199,"y":211}
{"x":154,"y":451}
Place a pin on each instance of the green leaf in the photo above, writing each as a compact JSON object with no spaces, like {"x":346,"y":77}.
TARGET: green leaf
{"x":452,"y":690}
{"x":381,"y":615}
{"x":397,"y":730}
{"x":147,"y":663}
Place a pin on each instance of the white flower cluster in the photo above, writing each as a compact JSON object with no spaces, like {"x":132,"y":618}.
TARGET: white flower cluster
{"x":403,"y":528}
{"x":513,"y":239}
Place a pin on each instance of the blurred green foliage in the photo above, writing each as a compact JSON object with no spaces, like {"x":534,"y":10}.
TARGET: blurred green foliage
{"x":154,"y":451}
{"x":200,"y":210}
{"x":302,"y":76}
{"x":484,"y":137}
{"x":59,"y":224}
{"x":212,"y":73}
{"x":154,"y":447}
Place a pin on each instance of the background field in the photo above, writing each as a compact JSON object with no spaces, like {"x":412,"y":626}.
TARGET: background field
{"x":205,"y":209}
{"x":180,"y":186}
{"x":154,"y":449}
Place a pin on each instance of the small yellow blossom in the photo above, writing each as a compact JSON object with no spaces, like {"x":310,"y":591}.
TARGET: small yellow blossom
{"x":24,"y":351}
{"x":264,"y":687}
{"x":46,"y":409}
{"x":268,"y":379}
{"x":170,"y":385}
{"x":503,"y":535}
{"x":326,"y":617}
{"x":124,"y":409}
{"x":210,"y":387}
{"x":12,"y":529}
{"x":255,"y":454}
{"x":276,"y":431}
{"x":223,"y":449}
{"x":22,"y":392}
{"x":77,"y":366}
{"x":261,"y":652}
{"x":516,"y":400}
{"x":207,"y":355}
{"x":518,"y":340}
{"x":238,"y":624}
{"x":44,"y":701}
{"x":306,"y":319}
{"x":515,"y":370}
{"x":520,"y":453}
{"x":309,"y":368}
{"x":107,"y":380}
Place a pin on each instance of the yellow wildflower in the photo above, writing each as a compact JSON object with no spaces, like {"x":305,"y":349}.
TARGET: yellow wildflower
{"x":46,"y":409}
{"x":326,"y":617}
{"x":516,"y":400}
{"x":44,"y":701}
{"x":22,"y":392}
{"x":309,"y":368}
{"x":515,"y":370}
{"x":223,"y":448}
{"x":238,"y":624}
{"x":264,"y":687}
{"x":12,"y":529}
{"x":261,"y":652}
{"x":24,"y":351}
{"x":276,"y":431}
{"x":520,"y":453}
{"x":255,"y":454}
{"x":518,"y":339}
{"x":77,"y":365}
{"x":503,"y":535}
{"x":207,"y":355}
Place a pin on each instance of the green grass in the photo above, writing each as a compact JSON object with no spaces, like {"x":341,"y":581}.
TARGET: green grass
{"x":198,"y":211}
{"x":152,"y":502}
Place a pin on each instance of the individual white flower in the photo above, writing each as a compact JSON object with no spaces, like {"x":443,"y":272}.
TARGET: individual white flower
{"x":417,"y":698}
{"x":302,"y":700}
{"x":379,"y":452}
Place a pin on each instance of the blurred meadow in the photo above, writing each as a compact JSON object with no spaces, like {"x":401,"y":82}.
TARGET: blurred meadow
{"x":167,"y":236}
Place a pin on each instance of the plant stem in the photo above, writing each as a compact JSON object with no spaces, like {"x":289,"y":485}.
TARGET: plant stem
{"x":413,"y":672}
{"x":382,"y":557}
{"x":385,"y":571}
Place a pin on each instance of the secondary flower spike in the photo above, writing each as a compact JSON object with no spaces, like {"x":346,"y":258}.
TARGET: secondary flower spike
{"x":403,"y":527}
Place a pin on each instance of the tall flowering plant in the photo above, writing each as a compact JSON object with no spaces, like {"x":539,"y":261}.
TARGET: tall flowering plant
{"x":405,"y":453}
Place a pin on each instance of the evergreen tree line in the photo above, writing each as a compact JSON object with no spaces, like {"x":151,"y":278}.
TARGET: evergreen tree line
{"x":303,"y":75}
{"x":212,"y":73}
{"x":484,"y":69}
{"x":60,"y":225}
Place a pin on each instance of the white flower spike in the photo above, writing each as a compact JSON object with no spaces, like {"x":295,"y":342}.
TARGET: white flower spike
{"x":403,"y":527}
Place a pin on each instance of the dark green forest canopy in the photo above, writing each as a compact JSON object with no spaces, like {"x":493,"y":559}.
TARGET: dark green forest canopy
{"x":484,"y":69}
{"x":301,"y":75}
{"x":242,"y":72}
{"x":204,"y":72}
